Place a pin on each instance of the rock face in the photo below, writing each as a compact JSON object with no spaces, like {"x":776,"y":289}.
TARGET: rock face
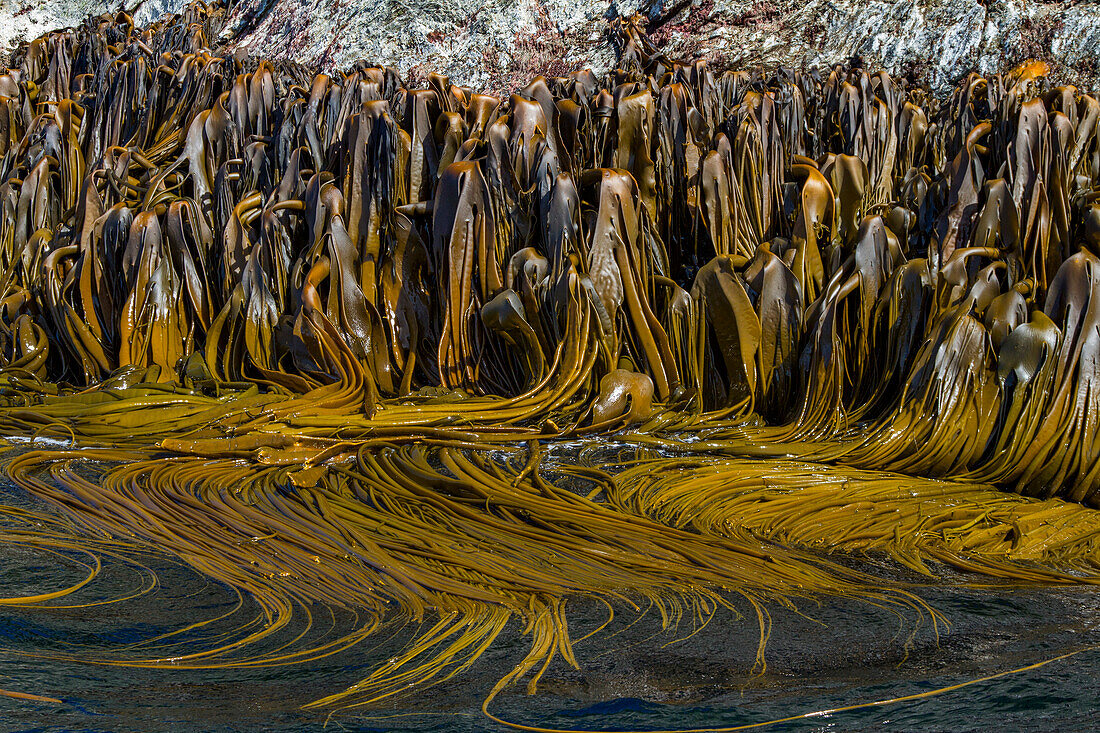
{"x":496,"y":45}
{"x":23,"y":20}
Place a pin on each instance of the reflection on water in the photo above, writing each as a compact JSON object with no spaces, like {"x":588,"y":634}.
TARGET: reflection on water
{"x":633,"y":676}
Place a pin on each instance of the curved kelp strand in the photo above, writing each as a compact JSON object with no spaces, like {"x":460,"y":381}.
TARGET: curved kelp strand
{"x":429,"y":532}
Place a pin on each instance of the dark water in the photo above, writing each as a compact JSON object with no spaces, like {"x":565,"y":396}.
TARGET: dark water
{"x":633,"y":676}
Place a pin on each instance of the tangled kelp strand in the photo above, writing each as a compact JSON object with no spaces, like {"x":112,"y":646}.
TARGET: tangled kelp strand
{"x":476,"y":540}
{"x":316,"y":334}
{"x":472,"y":530}
{"x":969,"y":526}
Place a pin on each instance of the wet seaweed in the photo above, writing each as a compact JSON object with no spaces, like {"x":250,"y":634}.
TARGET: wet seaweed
{"x":315,"y":335}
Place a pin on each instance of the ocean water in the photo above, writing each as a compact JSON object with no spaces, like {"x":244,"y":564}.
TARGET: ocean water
{"x":634,"y":676}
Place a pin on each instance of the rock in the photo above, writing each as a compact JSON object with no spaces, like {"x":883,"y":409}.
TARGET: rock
{"x":498,"y":45}
{"x":494,"y":46}
{"x":24,"y":20}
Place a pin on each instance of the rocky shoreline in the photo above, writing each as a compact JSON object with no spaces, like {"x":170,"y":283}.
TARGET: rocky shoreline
{"x":498,"y":45}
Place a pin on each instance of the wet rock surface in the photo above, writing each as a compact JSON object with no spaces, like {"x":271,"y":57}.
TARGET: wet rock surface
{"x":497,"y":45}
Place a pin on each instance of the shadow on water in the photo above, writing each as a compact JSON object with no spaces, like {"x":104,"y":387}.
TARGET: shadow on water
{"x":633,"y":675}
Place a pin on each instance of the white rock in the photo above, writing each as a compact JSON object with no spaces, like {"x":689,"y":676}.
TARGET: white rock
{"x":500,"y":44}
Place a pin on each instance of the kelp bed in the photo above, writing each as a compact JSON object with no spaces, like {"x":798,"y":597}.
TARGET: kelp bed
{"x":670,"y":340}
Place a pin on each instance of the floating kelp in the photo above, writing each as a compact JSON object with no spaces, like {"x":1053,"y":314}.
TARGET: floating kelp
{"x":322,"y":337}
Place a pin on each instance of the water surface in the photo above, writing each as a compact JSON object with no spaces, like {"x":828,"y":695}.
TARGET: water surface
{"x":634,"y":675}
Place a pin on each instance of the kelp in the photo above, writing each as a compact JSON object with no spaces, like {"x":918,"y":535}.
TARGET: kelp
{"x":664,"y":339}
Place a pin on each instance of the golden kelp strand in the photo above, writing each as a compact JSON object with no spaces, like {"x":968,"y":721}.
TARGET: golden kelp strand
{"x":470,"y":549}
{"x":972,"y":527}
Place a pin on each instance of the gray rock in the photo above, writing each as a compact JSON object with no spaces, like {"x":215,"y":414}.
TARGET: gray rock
{"x":24,"y":20}
{"x":497,"y":45}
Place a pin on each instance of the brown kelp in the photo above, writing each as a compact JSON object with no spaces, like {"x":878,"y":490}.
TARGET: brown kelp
{"x":350,"y":340}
